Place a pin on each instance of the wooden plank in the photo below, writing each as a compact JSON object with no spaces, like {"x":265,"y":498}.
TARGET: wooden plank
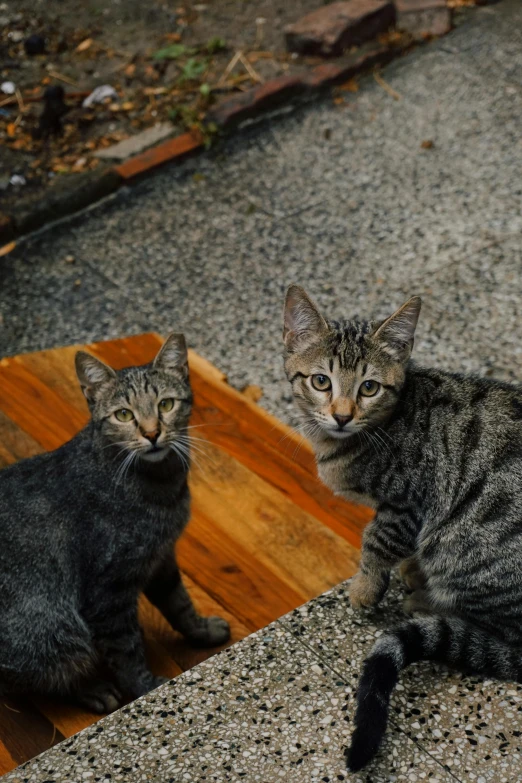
{"x":231,"y":576}
{"x":68,"y":718}
{"x":7,"y":762}
{"x":140,"y":349}
{"x":293,"y":544}
{"x":35,"y":408}
{"x":56,"y":369}
{"x":15,"y":444}
{"x":25,"y":732}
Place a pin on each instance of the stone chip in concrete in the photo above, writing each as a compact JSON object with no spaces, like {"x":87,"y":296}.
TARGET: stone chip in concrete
{"x":335,"y":27}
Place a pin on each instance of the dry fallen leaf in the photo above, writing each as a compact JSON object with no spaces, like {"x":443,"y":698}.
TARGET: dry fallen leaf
{"x":7,"y":248}
{"x":339,"y":100}
{"x":11,"y":129}
{"x":349,"y":86}
{"x":130,"y":70}
{"x":84,"y":45}
{"x":155,"y":91}
{"x":427,"y":144}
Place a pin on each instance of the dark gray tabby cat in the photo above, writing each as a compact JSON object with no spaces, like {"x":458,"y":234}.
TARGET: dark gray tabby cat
{"x":439,"y":456}
{"x":85,"y":528}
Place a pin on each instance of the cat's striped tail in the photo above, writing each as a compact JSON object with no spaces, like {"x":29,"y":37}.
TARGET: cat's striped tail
{"x":446,"y":640}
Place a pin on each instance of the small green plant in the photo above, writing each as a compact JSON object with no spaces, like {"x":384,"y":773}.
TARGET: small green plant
{"x":216,"y":45}
{"x":194,"y":68}
{"x":173,"y":51}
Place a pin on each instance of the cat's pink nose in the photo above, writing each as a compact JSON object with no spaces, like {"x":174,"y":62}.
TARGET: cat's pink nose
{"x":152,"y":436}
{"x":342,"y":420}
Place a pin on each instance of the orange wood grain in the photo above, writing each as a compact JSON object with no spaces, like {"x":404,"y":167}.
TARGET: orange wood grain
{"x":7,"y":762}
{"x":36,"y":409}
{"x":231,"y":576}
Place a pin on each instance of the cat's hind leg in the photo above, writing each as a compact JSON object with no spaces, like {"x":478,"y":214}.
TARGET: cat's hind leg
{"x":411,"y":573}
{"x":418,"y":603}
{"x":46,"y":647}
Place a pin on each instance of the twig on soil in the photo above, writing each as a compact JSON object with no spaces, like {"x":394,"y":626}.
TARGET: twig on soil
{"x":229,"y":68}
{"x":62,"y":78}
{"x":251,"y":70}
{"x":385,"y":86}
{"x":20,"y":100}
{"x":253,"y":57}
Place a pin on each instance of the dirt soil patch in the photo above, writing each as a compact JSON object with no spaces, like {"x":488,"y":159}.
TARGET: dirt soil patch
{"x":166,"y":61}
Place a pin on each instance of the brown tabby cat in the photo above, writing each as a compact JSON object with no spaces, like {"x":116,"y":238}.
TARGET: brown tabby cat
{"x":439,"y":456}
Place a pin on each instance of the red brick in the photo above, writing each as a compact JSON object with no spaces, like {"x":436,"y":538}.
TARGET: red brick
{"x":252,"y":102}
{"x":423,"y":18}
{"x":337,"y":26}
{"x":162,"y":153}
{"x":369,"y":55}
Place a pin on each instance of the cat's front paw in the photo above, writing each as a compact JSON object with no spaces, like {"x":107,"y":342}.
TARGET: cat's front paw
{"x":100,"y":697}
{"x":365,"y":591}
{"x":210,"y":632}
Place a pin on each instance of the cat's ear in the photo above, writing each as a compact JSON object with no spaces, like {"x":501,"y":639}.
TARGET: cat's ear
{"x":396,"y":332}
{"x":92,"y":373}
{"x":173,"y":355}
{"x":302,"y":319}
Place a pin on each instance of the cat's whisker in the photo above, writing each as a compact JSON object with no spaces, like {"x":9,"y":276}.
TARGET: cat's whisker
{"x":210,"y":424}
{"x":181,"y":456}
{"x":194,"y":449}
{"x":381,"y":440}
{"x":194,"y":444}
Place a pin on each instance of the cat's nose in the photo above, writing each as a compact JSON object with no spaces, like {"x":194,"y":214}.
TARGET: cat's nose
{"x":342,"y":421}
{"x":152,"y":436}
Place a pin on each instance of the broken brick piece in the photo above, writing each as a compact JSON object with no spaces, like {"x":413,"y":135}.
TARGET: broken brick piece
{"x":337,"y":26}
{"x":423,"y":18}
{"x":253,"y":102}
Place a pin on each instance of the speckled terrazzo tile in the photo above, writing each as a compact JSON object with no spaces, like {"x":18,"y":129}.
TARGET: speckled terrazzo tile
{"x":264,"y":710}
{"x":471,"y":726}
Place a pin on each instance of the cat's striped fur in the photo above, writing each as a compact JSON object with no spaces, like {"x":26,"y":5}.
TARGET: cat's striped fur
{"x":439,"y":456}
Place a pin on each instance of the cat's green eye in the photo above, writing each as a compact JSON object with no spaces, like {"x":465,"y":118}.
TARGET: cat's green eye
{"x":124,"y":415}
{"x":321,"y":382}
{"x":369,"y":388}
{"x":166,"y":405}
